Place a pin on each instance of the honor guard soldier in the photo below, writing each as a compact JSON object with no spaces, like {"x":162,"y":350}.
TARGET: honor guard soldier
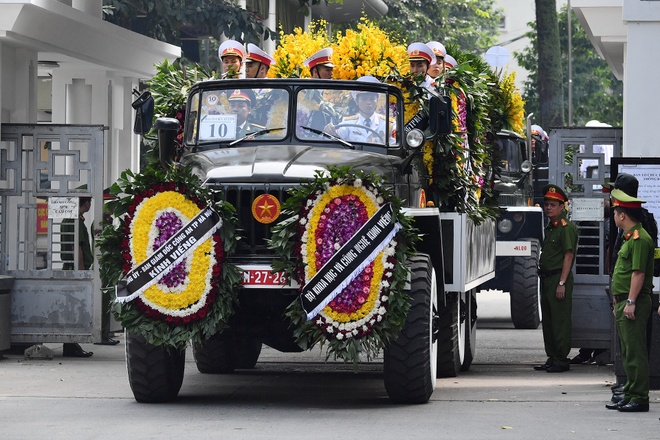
{"x":240,"y":104}
{"x":557,"y":256}
{"x":232,"y":54}
{"x":632,"y":285}
{"x":450,"y":62}
{"x":257,"y":62}
{"x":439,"y":67}
{"x":320,"y":64}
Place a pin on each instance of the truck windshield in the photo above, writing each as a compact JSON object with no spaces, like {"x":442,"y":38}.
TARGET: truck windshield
{"x":512,"y":154}
{"x":354,"y":116}
{"x":231,"y":115}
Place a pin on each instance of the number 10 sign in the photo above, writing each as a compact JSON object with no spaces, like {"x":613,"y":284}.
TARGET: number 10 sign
{"x":217,"y":128}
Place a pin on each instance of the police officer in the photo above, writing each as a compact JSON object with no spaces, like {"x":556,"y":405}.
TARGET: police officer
{"x":632,"y":283}
{"x":257,"y":62}
{"x":231,"y":54}
{"x":320,"y":64}
{"x":557,"y":256}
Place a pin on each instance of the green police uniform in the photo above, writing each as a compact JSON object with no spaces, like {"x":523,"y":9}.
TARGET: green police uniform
{"x":560,"y":237}
{"x":636,"y":254}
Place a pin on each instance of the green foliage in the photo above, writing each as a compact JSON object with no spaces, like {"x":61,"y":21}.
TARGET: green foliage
{"x":597,"y":94}
{"x":470,"y":24}
{"x":167,"y":20}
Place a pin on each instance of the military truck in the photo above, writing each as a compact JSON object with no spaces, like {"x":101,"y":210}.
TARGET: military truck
{"x":519,"y":228}
{"x":286,"y":146}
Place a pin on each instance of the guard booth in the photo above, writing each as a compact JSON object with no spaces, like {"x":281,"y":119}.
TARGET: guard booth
{"x":44,"y":169}
{"x":579,"y":162}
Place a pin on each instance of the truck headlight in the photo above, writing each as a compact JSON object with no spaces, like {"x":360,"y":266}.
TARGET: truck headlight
{"x":415,"y":138}
{"x":505,"y":226}
{"x":526,"y":166}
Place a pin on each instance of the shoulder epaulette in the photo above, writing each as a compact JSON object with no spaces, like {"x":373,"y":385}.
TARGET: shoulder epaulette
{"x":564,"y":222}
{"x":636,"y":234}
{"x":350,"y":118}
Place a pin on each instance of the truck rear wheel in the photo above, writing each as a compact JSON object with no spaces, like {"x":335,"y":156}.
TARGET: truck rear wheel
{"x":410,"y":360}
{"x":525,"y":290}
{"x":470,"y":329}
{"x":451,"y":335}
{"x":155,"y":373}
{"x":216,"y":354}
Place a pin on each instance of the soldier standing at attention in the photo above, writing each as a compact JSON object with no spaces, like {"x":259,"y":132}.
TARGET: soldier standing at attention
{"x":632,"y":283}
{"x":231,"y":54}
{"x":557,"y":256}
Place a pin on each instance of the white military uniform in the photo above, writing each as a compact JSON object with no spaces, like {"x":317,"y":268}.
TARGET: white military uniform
{"x":356,"y":134}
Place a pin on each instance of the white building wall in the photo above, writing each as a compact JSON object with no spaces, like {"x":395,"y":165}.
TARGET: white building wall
{"x":640,"y":80}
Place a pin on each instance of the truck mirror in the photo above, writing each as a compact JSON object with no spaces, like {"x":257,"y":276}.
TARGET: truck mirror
{"x":440,"y":121}
{"x":144,"y":113}
{"x":167,"y":131}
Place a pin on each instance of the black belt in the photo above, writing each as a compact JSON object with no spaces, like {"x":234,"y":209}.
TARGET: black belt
{"x":549,"y":273}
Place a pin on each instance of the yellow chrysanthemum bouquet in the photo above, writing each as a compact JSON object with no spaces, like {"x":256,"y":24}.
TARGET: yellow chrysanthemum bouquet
{"x":297,"y":47}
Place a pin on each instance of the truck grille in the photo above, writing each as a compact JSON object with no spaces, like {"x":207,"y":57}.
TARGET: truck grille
{"x":253,"y":234}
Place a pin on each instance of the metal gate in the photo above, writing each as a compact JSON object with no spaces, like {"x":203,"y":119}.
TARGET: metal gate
{"x":41,"y":166}
{"x":580,"y":163}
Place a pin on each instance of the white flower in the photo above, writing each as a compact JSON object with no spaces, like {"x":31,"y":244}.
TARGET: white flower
{"x":340,"y":336}
{"x":337,"y":246}
{"x":365,"y":328}
{"x":348,"y":335}
{"x":329,"y":329}
{"x":385,"y":284}
{"x":357,"y":183}
{"x":354,"y":332}
{"x":381,"y":311}
{"x":303,"y":221}
{"x":384,"y":298}
{"x":379,"y":200}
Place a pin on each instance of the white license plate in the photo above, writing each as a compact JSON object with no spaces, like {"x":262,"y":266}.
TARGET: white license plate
{"x":263,"y":277}
{"x":513,"y":248}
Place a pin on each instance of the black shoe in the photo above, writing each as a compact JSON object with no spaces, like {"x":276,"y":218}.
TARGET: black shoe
{"x":558,"y":369}
{"x":580,"y":359}
{"x":634,"y":407}
{"x":617,"y":397}
{"x":107,"y":341}
{"x":616,"y":405}
{"x":75,"y":350}
{"x":543,"y":367}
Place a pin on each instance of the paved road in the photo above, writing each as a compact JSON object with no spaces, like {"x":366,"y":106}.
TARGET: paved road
{"x":300,"y":396}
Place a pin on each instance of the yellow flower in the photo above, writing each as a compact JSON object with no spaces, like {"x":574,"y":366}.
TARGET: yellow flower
{"x":296,"y":48}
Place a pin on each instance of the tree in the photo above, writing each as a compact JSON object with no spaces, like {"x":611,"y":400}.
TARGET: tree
{"x":549,"y":68}
{"x":597,"y":93}
{"x":172,"y":20}
{"x":470,"y":24}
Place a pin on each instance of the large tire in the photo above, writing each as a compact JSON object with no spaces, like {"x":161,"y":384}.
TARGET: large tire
{"x":470,"y":342}
{"x":247,"y":350}
{"x":155,"y":373}
{"x":451,"y":335}
{"x":409,"y":361}
{"x":216,"y":354}
{"x":526,"y":290}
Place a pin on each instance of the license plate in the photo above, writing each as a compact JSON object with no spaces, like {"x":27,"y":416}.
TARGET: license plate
{"x":264,"y":277}
{"x":513,"y":248}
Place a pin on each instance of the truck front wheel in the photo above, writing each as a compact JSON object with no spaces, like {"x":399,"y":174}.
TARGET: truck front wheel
{"x":525,"y":290}
{"x":155,"y":373}
{"x":410,"y":361}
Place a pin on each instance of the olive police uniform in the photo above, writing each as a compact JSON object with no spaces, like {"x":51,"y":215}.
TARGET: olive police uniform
{"x":636,"y":254}
{"x":560,"y":237}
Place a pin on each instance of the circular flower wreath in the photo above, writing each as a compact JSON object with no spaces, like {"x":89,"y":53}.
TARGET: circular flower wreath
{"x":323,"y":215}
{"x":194,"y":298}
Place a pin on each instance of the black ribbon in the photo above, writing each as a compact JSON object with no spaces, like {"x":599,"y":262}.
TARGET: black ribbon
{"x":349,"y":261}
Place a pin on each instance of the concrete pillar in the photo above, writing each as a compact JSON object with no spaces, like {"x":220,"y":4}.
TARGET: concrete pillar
{"x":271,"y":23}
{"x":18,"y":85}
